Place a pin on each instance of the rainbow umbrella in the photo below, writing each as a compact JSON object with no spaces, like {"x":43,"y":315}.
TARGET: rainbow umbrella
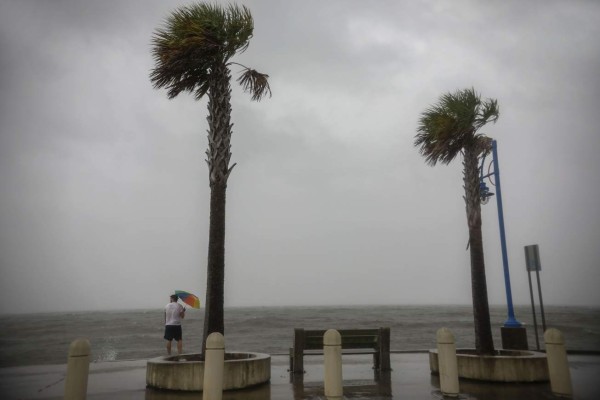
{"x":190,"y":299}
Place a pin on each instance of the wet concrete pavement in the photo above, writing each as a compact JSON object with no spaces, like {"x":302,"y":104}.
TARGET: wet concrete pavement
{"x":409,"y":379}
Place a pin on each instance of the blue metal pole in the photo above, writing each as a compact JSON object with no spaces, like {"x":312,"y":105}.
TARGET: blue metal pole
{"x":511,"y":322}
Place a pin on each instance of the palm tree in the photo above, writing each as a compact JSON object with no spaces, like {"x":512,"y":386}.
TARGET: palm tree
{"x":445,"y":130}
{"x":192,"y":53}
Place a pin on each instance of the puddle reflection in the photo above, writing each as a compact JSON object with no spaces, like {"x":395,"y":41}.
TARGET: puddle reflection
{"x":378,"y":388}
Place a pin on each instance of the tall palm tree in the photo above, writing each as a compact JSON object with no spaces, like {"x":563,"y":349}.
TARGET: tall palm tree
{"x":445,"y":130}
{"x":192,"y":53}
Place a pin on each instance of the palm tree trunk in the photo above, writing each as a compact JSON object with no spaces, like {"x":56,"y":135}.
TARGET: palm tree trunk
{"x":218,"y":156}
{"x":484,"y":343}
{"x":215,"y":273}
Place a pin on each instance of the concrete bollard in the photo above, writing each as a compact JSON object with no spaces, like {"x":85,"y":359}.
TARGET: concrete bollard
{"x":558,"y":365}
{"x":448,"y":365}
{"x":332,"y":349}
{"x":214,"y":361}
{"x":78,"y":368}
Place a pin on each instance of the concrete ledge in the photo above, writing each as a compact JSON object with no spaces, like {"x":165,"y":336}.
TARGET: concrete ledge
{"x":186,"y":372}
{"x":506,"y":366}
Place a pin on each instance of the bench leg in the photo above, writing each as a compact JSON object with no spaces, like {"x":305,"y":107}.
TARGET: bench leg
{"x":376,"y":361}
{"x":384,"y":350}
{"x":298,"y":361}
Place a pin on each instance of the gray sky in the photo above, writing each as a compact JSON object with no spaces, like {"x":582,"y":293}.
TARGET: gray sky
{"x":104,"y":189}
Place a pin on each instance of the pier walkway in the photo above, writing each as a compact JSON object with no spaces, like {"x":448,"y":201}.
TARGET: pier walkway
{"x":409,"y":379}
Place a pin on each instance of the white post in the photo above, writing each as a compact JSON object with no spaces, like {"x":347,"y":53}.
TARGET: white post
{"x":448,"y":366}
{"x":558,"y":365}
{"x":78,"y":367}
{"x":332,"y":348}
{"x":213,"y":367}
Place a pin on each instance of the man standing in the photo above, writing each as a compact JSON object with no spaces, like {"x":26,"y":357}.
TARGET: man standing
{"x":174,"y":313}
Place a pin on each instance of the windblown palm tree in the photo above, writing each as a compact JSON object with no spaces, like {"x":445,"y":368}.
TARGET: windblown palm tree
{"x":192,"y":53}
{"x":445,"y":130}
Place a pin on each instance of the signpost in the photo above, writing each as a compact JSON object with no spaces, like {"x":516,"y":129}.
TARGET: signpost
{"x":532,"y":262}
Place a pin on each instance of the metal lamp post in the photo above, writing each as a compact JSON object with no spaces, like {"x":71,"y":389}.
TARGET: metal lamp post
{"x":511,"y":323}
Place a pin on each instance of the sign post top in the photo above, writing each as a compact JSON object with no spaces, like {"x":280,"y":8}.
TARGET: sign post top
{"x":532,"y":258}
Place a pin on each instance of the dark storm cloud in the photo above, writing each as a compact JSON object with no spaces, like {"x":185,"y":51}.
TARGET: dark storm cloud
{"x":105,"y":190}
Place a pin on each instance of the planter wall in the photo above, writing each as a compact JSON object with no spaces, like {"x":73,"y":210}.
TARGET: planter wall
{"x":186,"y":372}
{"x":506,"y":366}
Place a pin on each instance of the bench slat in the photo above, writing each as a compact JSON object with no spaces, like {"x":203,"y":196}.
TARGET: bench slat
{"x":344,"y":351}
{"x":343,"y":332}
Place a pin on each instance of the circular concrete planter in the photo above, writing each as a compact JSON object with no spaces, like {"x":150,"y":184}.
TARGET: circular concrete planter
{"x":505,"y":366}
{"x":186,"y":372}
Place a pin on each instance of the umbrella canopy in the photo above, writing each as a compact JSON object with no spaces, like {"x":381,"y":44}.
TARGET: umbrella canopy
{"x":190,"y":299}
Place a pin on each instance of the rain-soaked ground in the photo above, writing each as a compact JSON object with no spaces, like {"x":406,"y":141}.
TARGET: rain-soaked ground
{"x":409,"y":379}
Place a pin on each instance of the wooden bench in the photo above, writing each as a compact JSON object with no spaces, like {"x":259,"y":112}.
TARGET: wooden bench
{"x":354,"y":341}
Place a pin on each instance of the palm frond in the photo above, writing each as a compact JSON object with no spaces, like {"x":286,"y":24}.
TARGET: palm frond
{"x":489,"y":113}
{"x":255,"y":83}
{"x":451,"y":125}
{"x":193,"y":40}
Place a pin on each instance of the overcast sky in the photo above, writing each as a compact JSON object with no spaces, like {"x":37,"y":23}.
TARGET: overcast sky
{"x":104,"y":188}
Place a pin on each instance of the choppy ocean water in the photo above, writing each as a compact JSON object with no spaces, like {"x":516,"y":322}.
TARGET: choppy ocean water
{"x":35,"y":339}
